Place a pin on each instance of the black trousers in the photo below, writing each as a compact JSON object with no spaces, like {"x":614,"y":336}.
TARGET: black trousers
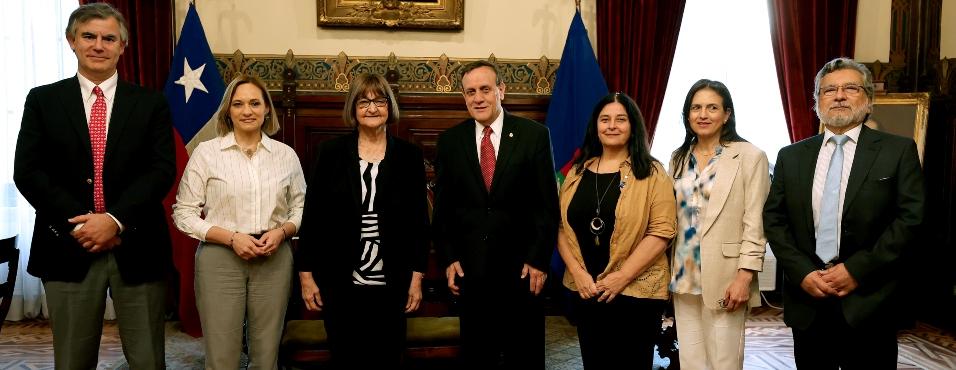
{"x":622,"y":331}
{"x":831,"y":343}
{"x":502,"y":326}
{"x":366,"y":328}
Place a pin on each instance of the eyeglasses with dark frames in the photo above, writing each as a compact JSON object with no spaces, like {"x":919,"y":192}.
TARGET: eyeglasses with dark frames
{"x":365,"y":103}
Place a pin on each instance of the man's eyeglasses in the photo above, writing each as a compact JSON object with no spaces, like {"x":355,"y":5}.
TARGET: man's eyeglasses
{"x":849,"y":89}
{"x":365,"y":103}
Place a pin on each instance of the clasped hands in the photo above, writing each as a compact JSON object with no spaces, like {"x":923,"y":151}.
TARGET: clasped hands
{"x":247,"y":247}
{"x":834,"y":281}
{"x":535,"y":277}
{"x":96,"y":232}
{"x":605,"y":289}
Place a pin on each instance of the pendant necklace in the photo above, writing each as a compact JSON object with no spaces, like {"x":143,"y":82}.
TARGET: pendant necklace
{"x":597,"y":224}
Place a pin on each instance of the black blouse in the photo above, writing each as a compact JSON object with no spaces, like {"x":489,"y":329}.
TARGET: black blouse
{"x":581,"y":212}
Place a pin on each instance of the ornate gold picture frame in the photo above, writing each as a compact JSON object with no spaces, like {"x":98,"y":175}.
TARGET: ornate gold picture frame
{"x":395,"y":14}
{"x":903,"y":114}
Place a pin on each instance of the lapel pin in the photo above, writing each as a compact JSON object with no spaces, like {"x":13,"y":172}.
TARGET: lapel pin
{"x":511,"y":134}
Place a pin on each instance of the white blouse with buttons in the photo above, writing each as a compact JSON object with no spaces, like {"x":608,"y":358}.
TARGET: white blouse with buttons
{"x":235,"y":192}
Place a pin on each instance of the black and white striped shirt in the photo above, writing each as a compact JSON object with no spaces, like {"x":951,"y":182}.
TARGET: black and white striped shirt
{"x":369,"y":270}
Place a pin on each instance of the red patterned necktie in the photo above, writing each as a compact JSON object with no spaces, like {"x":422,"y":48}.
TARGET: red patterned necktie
{"x":487,"y":158}
{"x":98,"y":142}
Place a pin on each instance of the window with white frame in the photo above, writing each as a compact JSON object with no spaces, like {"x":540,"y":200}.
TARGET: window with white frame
{"x":727,"y":41}
{"x":35,"y":52}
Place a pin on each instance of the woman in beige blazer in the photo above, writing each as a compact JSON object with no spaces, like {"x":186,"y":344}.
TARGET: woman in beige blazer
{"x":721,"y":182}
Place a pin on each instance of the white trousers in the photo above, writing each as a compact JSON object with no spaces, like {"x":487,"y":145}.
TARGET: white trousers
{"x":708,"y":339}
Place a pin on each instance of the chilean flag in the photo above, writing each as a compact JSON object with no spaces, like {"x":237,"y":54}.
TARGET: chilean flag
{"x":194,"y":90}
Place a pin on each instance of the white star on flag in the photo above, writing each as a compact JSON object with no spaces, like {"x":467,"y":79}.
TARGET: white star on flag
{"x":191,"y":79}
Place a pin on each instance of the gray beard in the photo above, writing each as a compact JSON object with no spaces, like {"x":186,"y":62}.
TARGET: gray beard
{"x":856,"y":117}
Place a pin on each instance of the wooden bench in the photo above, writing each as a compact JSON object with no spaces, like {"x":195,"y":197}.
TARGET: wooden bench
{"x":432,"y":334}
{"x":433,"y":342}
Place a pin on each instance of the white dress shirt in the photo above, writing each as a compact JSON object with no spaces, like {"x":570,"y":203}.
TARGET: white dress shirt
{"x":238,"y":193}
{"x":109,"y":93}
{"x":823,"y":165}
{"x":496,"y":127}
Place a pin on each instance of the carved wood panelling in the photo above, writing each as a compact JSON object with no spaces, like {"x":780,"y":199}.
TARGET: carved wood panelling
{"x":313,"y":119}
{"x":432,"y":75}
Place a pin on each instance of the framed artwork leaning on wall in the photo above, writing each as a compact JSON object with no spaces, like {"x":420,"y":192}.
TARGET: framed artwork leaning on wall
{"x":903,"y":114}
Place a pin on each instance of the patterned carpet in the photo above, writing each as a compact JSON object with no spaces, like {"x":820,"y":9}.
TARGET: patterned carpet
{"x":27,"y":345}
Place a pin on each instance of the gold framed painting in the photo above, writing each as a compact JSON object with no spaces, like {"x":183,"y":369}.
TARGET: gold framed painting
{"x":392,"y":14}
{"x":903,"y":114}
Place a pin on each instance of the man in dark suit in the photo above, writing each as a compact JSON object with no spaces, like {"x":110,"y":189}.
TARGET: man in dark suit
{"x":95,"y":158}
{"x":496,"y":218}
{"x":842,"y":218}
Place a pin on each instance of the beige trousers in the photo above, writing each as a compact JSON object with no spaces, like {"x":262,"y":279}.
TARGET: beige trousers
{"x":231,"y":292}
{"x":708,"y":339}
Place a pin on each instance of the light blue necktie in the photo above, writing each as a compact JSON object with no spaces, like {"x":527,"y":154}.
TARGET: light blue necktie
{"x":827,"y":237}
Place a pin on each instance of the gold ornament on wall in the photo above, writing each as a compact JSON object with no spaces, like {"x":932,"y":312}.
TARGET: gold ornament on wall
{"x":341,"y":66}
{"x":392,"y":14}
{"x":543,"y":70}
{"x":442,"y":81}
{"x":419,"y":75}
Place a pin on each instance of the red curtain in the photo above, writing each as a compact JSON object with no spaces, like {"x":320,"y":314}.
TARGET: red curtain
{"x":636,"y":43}
{"x":145,"y":62}
{"x":150,"y":50}
{"x":805,"y":35}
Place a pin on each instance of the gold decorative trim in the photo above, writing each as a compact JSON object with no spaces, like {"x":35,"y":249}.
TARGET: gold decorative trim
{"x":332,"y":73}
{"x":436,"y":14}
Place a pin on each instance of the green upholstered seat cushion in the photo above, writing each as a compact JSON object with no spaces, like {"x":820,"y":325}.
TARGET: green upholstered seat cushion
{"x":422,"y":331}
{"x":432,"y":331}
{"x":305,"y":334}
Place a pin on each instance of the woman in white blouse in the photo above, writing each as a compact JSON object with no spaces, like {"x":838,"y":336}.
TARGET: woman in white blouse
{"x":251,"y":189}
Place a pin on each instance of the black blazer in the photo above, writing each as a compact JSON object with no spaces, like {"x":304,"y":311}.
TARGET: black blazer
{"x":329,"y":244}
{"x":53,"y":169}
{"x":492,"y":234}
{"x":882,"y":214}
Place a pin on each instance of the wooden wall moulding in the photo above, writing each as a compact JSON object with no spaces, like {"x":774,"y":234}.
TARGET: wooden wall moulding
{"x":430,"y":75}
{"x":393,"y":14}
{"x":887,"y":76}
{"x":947,"y":76}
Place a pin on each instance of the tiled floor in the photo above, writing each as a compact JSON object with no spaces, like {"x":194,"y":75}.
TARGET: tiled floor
{"x":770,"y":346}
{"x":27,"y":345}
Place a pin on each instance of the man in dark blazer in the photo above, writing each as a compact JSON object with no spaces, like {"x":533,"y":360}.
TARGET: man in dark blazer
{"x":844,"y":244}
{"x":99,"y":213}
{"x":496,"y":218}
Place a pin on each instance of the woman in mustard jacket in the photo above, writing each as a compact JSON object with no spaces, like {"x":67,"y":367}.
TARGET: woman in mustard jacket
{"x":617,"y":218}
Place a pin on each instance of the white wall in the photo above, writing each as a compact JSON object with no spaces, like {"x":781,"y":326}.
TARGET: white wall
{"x":947,"y":42}
{"x":511,"y":29}
{"x":873,"y":31}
